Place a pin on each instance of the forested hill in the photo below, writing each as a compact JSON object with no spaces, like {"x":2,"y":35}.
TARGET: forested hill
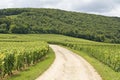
{"x":82,"y":25}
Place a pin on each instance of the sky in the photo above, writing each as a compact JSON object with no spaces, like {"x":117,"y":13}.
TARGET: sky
{"x":101,"y":7}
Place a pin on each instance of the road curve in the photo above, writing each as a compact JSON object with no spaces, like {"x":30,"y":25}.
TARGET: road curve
{"x":69,"y":66}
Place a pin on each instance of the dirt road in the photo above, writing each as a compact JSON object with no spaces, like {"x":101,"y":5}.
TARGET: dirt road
{"x":69,"y":66}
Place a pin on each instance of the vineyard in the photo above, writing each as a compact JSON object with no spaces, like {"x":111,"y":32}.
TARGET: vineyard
{"x":107,"y":54}
{"x":19,"y":55}
{"x":18,"y":51}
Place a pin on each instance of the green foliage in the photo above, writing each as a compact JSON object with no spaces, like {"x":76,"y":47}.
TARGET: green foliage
{"x":3,"y":26}
{"x":81,"y":25}
{"x":14,"y":11}
{"x":103,"y":53}
{"x":108,"y":54}
{"x":21,"y":29}
{"x":20,"y":55}
{"x":35,"y":71}
{"x":8,"y":64}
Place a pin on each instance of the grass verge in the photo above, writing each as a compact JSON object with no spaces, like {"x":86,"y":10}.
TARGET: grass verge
{"x":106,"y":72}
{"x":35,"y":71}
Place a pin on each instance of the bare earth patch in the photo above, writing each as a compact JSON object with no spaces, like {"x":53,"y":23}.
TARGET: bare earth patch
{"x":69,"y":66}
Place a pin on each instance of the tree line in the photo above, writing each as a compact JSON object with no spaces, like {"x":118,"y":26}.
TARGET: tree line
{"x":40,"y":20}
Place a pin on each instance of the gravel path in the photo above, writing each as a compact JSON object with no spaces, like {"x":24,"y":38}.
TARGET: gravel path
{"x":69,"y":66}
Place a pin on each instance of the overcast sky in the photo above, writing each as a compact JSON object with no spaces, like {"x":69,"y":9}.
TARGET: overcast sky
{"x":103,"y":7}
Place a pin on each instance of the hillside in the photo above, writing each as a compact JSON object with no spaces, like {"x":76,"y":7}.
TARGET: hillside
{"x":81,"y":25}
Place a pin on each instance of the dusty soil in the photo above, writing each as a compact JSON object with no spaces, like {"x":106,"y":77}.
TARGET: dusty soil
{"x":69,"y":66}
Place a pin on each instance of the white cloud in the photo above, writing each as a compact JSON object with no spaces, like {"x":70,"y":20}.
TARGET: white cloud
{"x":104,"y":7}
{"x":69,"y":4}
{"x":5,"y":4}
{"x":114,"y":12}
{"x":97,"y":6}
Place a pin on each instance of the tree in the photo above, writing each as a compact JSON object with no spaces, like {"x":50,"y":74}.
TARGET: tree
{"x":3,"y":28}
{"x":21,"y":29}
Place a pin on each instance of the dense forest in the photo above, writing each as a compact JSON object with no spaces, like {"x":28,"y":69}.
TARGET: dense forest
{"x":40,"y":20}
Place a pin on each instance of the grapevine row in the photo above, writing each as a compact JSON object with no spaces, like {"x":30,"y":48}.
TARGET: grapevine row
{"x":20,"y":55}
{"x":108,"y":54}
